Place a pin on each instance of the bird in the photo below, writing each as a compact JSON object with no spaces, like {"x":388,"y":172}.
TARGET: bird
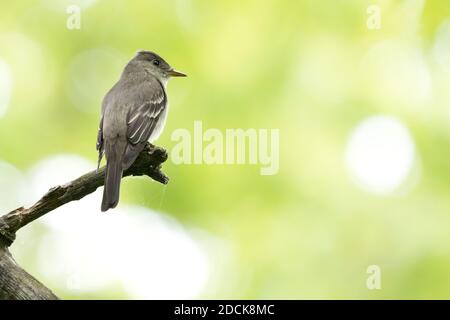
{"x":133,"y":112}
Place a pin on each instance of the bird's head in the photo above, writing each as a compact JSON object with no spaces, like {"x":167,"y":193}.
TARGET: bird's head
{"x":156,"y":66}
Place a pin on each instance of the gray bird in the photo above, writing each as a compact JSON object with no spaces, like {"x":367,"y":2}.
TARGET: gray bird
{"x":134,"y":111}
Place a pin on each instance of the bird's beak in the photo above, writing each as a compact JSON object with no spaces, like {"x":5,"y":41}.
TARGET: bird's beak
{"x":174,"y":73}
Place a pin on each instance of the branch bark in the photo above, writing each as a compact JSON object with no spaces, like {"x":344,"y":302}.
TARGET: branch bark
{"x":16,"y":283}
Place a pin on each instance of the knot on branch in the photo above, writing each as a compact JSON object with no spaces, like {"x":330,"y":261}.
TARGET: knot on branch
{"x":149,"y":163}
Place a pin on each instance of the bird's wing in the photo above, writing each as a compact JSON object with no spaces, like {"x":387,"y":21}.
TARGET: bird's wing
{"x":143,"y":118}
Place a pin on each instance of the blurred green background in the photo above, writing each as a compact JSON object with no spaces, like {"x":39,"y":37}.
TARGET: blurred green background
{"x":364,"y":174}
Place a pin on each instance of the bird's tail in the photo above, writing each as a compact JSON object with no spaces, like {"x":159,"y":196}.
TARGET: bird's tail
{"x":113,"y":175}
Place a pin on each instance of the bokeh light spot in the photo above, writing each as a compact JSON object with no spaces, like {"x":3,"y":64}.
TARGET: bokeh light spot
{"x":380,"y":154}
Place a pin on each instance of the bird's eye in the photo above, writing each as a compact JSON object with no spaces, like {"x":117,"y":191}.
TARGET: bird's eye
{"x":156,"y":62}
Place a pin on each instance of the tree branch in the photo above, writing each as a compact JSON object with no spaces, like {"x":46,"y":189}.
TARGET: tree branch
{"x":15,"y":283}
